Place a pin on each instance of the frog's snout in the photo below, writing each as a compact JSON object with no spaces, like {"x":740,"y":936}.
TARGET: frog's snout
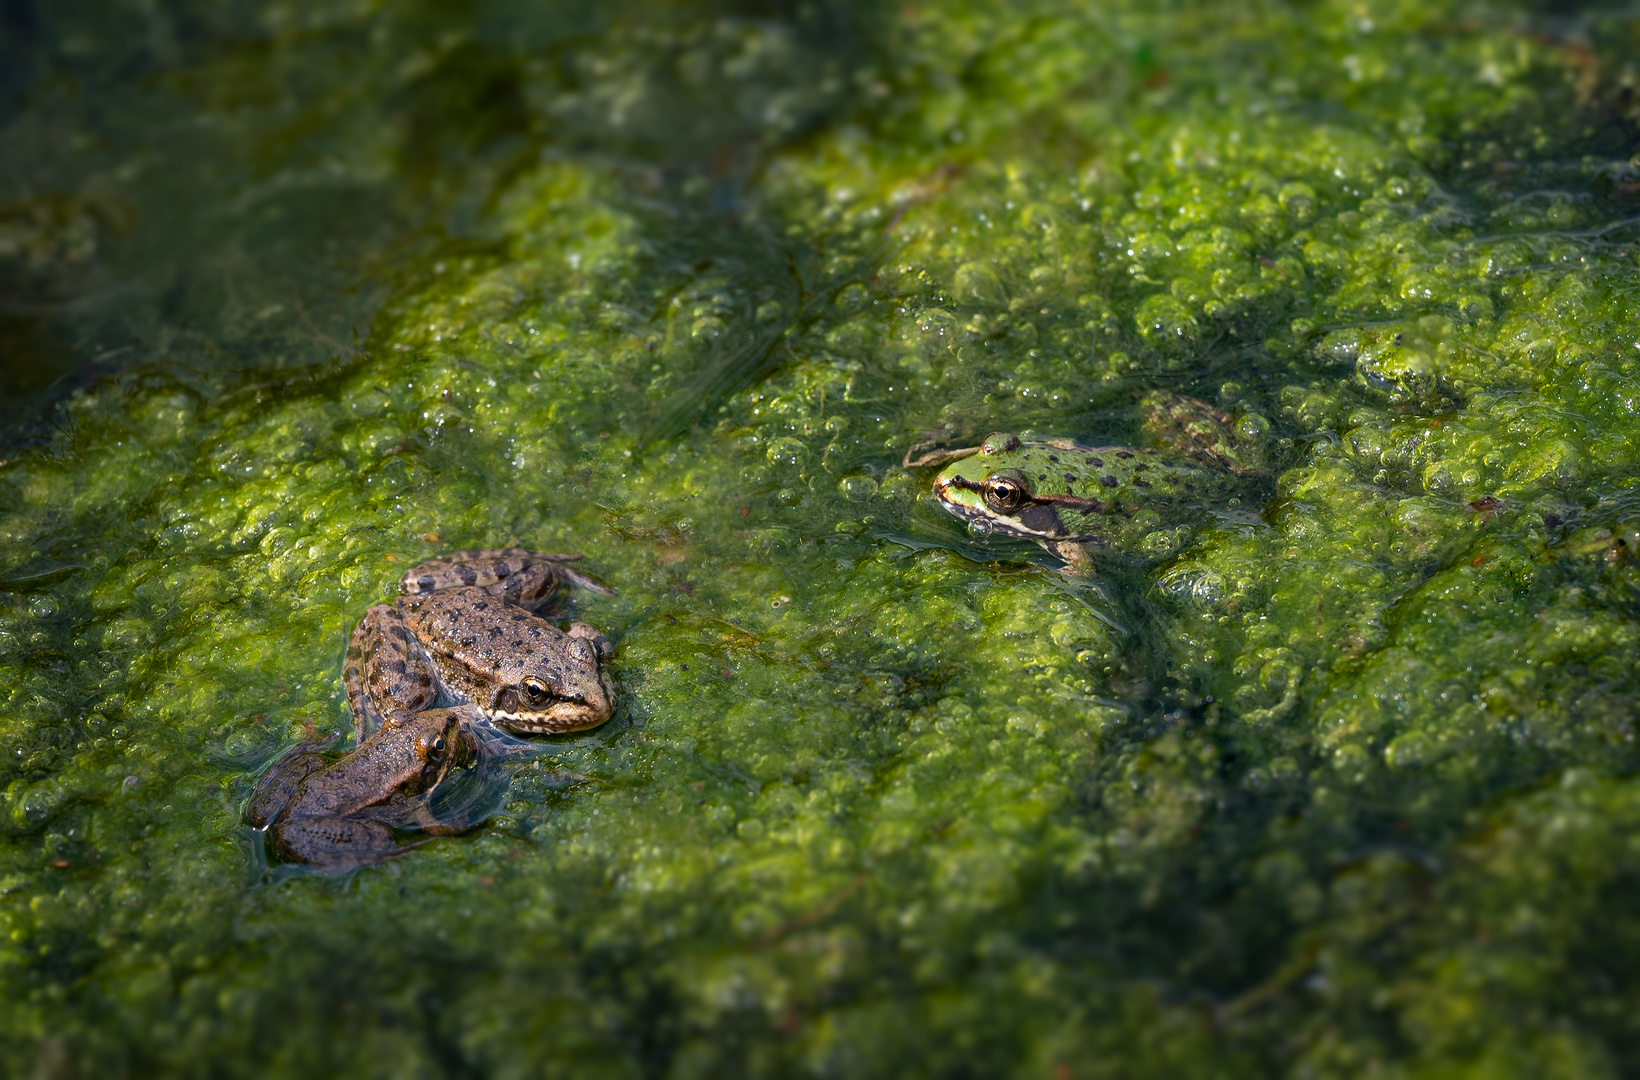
{"x":945,"y":485}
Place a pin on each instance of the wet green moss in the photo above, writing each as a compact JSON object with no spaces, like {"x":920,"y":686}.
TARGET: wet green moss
{"x":1338,"y":783}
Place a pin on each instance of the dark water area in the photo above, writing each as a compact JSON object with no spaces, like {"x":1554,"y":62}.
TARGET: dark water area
{"x":234,"y":187}
{"x":1330,"y":772}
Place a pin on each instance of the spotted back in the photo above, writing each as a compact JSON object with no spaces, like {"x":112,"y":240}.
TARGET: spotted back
{"x":518,"y":576}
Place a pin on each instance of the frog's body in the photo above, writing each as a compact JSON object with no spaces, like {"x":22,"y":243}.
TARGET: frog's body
{"x":1073,"y":498}
{"x":462,"y":634}
{"x":1057,"y":490}
{"x":341,"y":815}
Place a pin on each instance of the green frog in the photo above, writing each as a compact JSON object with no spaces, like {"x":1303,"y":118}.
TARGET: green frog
{"x":1074,"y":499}
{"x":341,"y":815}
{"x":463,"y":634}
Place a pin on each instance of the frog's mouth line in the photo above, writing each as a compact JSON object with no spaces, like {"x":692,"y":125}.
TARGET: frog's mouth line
{"x":565,"y":714}
{"x":1036,"y":517}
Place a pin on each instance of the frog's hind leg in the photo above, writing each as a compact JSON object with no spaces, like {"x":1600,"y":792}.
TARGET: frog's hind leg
{"x":583,"y":580}
{"x":333,"y":844}
{"x":279,"y":783}
{"x":525,"y":578}
{"x":386,"y":670}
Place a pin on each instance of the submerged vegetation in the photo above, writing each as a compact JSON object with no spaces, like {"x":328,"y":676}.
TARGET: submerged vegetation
{"x":1337,"y":781}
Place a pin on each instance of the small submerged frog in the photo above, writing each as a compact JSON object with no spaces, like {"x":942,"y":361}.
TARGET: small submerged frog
{"x":462,"y":634}
{"x":1073,"y":498}
{"x":341,"y":815}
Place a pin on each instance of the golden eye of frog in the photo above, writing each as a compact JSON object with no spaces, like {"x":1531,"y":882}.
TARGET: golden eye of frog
{"x":1069,"y":497}
{"x":341,"y":815}
{"x":462,"y":635}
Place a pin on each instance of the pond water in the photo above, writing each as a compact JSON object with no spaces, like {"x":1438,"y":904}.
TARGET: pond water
{"x":1336,"y":780}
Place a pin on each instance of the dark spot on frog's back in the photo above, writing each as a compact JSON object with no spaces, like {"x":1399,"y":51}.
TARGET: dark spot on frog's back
{"x":1109,"y":481}
{"x":1042,"y":519}
{"x":1098,"y":463}
{"x":1123,"y":454}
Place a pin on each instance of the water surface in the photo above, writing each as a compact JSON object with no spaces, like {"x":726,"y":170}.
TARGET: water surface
{"x":1338,"y":783}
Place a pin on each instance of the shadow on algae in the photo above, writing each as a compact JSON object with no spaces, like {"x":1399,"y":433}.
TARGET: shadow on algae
{"x":1339,"y":781}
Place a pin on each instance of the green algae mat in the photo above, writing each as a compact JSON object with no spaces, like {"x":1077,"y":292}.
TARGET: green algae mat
{"x":1338,"y":781}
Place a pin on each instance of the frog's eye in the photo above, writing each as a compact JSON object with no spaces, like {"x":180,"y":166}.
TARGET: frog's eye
{"x":999,"y":442}
{"x":1004,"y":493}
{"x":536,"y":692}
{"x":438,"y":745}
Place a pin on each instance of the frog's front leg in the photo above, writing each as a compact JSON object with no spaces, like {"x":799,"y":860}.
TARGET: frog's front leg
{"x":386,"y":670}
{"x":525,"y":578}
{"x":334,"y":844}
{"x":1078,"y":562}
{"x":453,"y":825}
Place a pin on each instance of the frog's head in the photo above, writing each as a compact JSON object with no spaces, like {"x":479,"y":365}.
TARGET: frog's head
{"x":997,"y":490}
{"x":436,"y":743}
{"x":441,"y":741}
{"x":559,"y":685}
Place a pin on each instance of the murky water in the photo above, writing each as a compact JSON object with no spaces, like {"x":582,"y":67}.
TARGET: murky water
{"x":1337,"y":781}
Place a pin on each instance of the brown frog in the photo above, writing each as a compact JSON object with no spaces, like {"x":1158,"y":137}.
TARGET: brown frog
{"x":341,"y":815}
{"x":462,"y":634}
